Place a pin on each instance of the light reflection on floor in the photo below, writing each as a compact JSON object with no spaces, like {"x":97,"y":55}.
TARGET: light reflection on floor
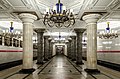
{"x":59,"y":68}
{"x":62,"y":69}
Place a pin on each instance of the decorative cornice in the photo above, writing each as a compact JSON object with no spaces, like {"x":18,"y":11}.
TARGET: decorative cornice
{"x":91,"y":18}
{"x":27,"y":17}
{"x":39,"y":30}
{"x":79,"y":30}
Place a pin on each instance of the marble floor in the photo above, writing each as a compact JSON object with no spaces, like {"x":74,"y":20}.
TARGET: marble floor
{"x":59,"y":67}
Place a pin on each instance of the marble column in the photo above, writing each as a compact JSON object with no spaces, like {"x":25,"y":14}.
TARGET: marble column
{"x":12,"y":41}
{"x":40,"y":33}
{"x":19,"y":42}
{"x":79,"y":33}
{"x":27,"y":20}
{"x":50,"y":52}
{"x":67,"y":43}
{"x":73,"y":47}
{"x":69,"y":47}
{"x":46,"y":48}
{"x":91,"y":20}
{"x":52,"y":43}
{"x":3,"y":40}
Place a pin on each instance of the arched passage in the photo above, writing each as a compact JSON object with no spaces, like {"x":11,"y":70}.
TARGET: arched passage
{"x":60,"y":48}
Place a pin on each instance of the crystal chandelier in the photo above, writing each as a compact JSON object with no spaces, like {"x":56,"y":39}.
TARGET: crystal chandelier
{"x":59,"y":16}
{"x":108,"y":34}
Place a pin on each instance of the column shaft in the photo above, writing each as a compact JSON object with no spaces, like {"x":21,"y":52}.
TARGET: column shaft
{"x":91,"y":21}
{"x":69,"y":47}
{"x":50,"y":49}
{"x":73,"y":48}
{"x":49,"y":52}
{"x":67,"y":43}
{"x":3,"y":40}
{"x":52,"y":43}
{"x":46,"y":48}
{"x":40,"y":46}
{"x":92,"y":46}
{"x":27,"y":46}
{"x":79,"y":33}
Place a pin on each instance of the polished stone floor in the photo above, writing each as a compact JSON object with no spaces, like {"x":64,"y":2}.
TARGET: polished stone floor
{"x":59,"y":67}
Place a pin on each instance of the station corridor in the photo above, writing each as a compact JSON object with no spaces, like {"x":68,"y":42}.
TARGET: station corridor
{"x":59,"y":67}
{"x":59,"y":39}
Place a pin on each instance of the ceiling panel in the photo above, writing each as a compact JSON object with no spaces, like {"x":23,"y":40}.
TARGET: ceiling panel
{"x":51,"y":3}
{"x":16,"y":2}
{"x":114,"y":15}
{"x":100,"y":4}
{"x":103,"y":3}
{"x":38,"y":6}
{"x":4,"y":15}
{"x":70,"y":4}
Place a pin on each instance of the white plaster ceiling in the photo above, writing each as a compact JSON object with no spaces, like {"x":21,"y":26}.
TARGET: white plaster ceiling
{"x":112,"y":25}
{"x":9,"y":10}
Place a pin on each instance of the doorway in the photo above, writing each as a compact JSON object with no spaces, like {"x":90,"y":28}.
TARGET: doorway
{"x":60,"y":49}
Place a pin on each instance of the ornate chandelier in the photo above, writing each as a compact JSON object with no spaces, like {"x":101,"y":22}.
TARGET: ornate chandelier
{"x":108,"y":34}
{"x":11,"y":32}
{"x":59,"y":16}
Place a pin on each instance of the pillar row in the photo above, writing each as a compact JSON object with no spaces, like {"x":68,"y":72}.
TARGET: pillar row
{"x":73,"y":47}
{"x":52,"y":43}
{"x":69,"y":48}
{"x":27,"y":20}
{"x":50,"y":47}
{"x":46,"y":48}
{"x":91,"y":21}
{"x":67,"y":43}
{"x":79,"y":33}
{"x":40,"y":45}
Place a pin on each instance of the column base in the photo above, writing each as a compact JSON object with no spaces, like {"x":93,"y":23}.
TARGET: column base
{"x":45,"y":59}
{"x":69,"y":57}
{"x":39,"y":63}
{"x":73,"y":59}
{"x":27,"y":71}
{"x":66,"y":56}
{"x":92,"y":71}
{"x":49,"y":57}
{"x":79,"y":63}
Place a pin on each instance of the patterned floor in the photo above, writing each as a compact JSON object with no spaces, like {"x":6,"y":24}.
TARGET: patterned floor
{"x":58,"y":68}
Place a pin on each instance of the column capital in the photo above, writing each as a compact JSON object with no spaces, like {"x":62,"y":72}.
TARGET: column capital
{"x":39,"y":30}
{"x":66,"y":41}
{"x":50,"y":39}
{"x":53,"y":41}
{"x":69,"y":39}
{"x":91,"y":18}
{"x":73,"y":37}
{"x":46,"y":37}
{"x":79,"y":30}
{"x":27,"y":17}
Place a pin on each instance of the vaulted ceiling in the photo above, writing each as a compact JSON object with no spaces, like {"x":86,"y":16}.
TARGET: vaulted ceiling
{"x":110,"y":10}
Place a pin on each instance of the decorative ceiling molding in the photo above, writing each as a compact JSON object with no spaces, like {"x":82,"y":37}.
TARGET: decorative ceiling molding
{"x":32,"y":4}
{"x":6,"y":4}
{"x":114,"y":5}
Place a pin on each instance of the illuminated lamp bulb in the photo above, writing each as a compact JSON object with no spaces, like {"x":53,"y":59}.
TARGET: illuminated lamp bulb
{"x":47,"y":10}
{"x":64,"y":8}
{"x":71,"y":10}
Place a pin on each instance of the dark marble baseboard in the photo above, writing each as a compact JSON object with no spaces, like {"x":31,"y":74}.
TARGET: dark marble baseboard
{"x":12,"y":64}
{"x":92,"y":71}
{"x":113,"y":66}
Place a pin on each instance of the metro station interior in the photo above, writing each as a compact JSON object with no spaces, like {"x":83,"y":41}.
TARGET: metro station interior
{"x":59,"y":39}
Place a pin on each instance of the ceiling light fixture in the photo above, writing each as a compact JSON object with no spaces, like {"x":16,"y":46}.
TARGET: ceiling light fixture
{"x":108,"y":34}
{"x":11,"y":28}
{"x":59,"y":16}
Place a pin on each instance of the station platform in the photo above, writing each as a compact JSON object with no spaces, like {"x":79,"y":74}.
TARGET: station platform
{"x":59,"y":67}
